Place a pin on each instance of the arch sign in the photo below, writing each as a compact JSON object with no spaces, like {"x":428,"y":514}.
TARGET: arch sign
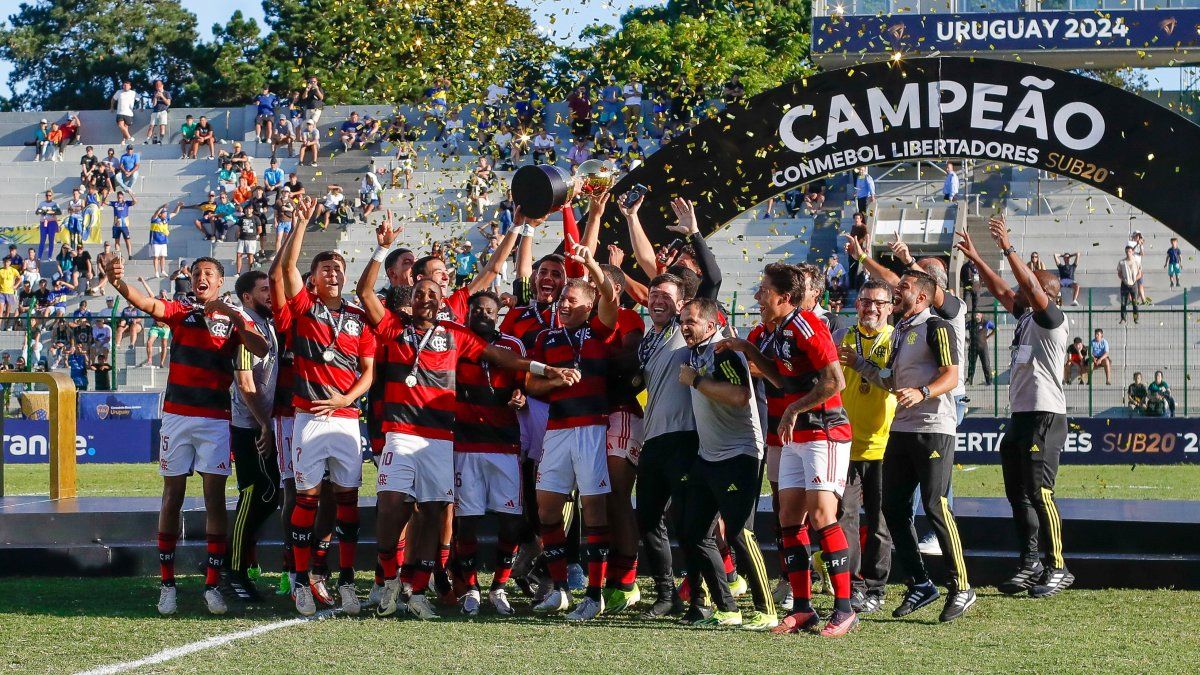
{"x":927,"y":108}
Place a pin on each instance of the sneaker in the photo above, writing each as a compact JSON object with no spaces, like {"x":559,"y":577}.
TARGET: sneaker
{"x":499,"y":600}
{"x":303,"y":596}
{"x":243,"y":588}
{"x":320,"y":591}
{"x":618,"y":600}
{"x":389,"y":598}
{"x":215,"y":601}
{"x":957,"y":603}
{"x":695,"y":614}
{"x":1025,"y":579}
{"x":286,"y":581}
{"x":375,"y":595}
{"x":166,"y":600}
{"x":254,"y":573}
{"x":350,"y":602}
{"x":917,"y":597}
{"x":576,"y":579}
{"x":528,"y":583}
{"x":556,"y":600}
{"x":586,"y":610}
{"x":420,"y":607}
{"x":873,"y":602}
{"x":470,"y":603}
{"x":796,"y":622}
{"x":760,"y":621}
{"x":840,"y":623}
{"x":668,"y":603}
{"x":929,"y":545}
{"x":1052,"y":582}
{"x":857,"y":598}
{"x":722,"y":620}
{"x":738,"y":587}
{"x":783,"y":595}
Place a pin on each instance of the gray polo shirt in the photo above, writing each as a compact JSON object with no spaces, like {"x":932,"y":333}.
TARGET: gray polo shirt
{"x":1039,"y":349}
{"x":668,"y":403}
{"x":954,"y":310}
{"x":725,"y":431}
{"x":921,"y":345}
{"x":265,"y":371}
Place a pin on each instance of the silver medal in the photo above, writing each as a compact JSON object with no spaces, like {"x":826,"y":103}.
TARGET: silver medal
{"x":328,"y":355}
{"x":411,"y":380}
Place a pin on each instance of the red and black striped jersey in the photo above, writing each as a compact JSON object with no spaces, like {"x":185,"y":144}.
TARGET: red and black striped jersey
{"x":801,"y":346}
{"x":590,"y":348}
{"x":454,"y":306}
{"x":312,"y":335}
{"x":285,"y":382}
{"x":202,"y":351}
{"x":626,"y":370}
{"x":428,"y":408}
{"x":485,"y":422}
{"x":773,"y":395}
{"x":526,"y":323}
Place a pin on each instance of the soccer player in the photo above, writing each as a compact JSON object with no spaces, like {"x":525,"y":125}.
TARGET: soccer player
{"x":573,"y":453}
{"x":283,"y":416}
{"x":195,"y":425}
{"x":1034,"y":439}
{"x":800,"y":360}
{"x":419,"y":357}
{"x":922,"y":372}
{"x":725,"y":477}
{"x":870,"y":409}
{"x":333,"y":351}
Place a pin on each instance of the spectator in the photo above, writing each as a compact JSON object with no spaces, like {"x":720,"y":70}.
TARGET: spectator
{"x":857,"y":248}
{"x":160,"y":106}
{"x":1135,"y":395}
{"x":864,"y":190}
{"x":632,"y":93}
{"x":120,"y":226}
{"x":1101,"y":358}
{"x":75,"y":217}
{"x":634,"y":156}
{"x":241,"y":193}
{"x":265,"y":104}
{"x":60,"y":343}
{"x":41,"y":141}
{"x":502,"y":147}
{"x":273,"y":178}
{"x":295,"y":108}
{"x":237,"y":158}
{"x":404,"y":164}
{"x":258,"y":207}
{"x":249,"y":232}
{"x":9,"y":278}
{"x":1160,"y":391}
{"x":733,"y":91}
{"x":1066,"y":263}
{"x":436,"y":103}
{"x":294,"y":186}
{"x":1174,"y":266}
{"x":950,"y":185}
{"x":101,"y":336}
{"x":352,"y":132}
{"x":160,"y":230}
{"x":466,"y":263}
{"x":814,"y":196}
{"x":579,"y":153}
{"x":543,"y":148}
{"x":479,"y":188}
{"x":227,"y":176}
{"x":1138,"y":243}
{"x":69,"y":132}
{"x":330,"y":205}
{"x":284,"y":212}
{"x":505,"y":212}
{"x":102,"y":259}
{"x":1077,"y":361}
{"x":181,"y":279}
{"x":83,"y":265}
{"x":54,"y":137}
{"x":65,"y":261}
{"x":285,"y":134}
{"x":122,"y":102}
{"x":611,"y":103}
{"x":1035,"y":262}
{"x":314,"y":101}
{"x":127,"y":169}
{"x":1129,"y":272}
{"x":980,"y":330}
{"x":454,"y":133}
{"x":224,"y":216}
{"x":157,"y":334}
{"x":187,"y":138}
{"x":103,"y":372}
{"x":580,"y":105}
{"x":87,"y":164}
{"x":835,"y":277}
{"x":838,"y":320}
{"x":206,"y":223}
{"x":78,"y":363}
{"x":60,"y":291}
{"x":27,"y":299}
{"x":494,"y":100}
{"x":130,"y":323}
{"x":48,"y":212}
{"x":43,"y":298}
{"x":204,"y":137}
{"x":369,"y":193}
{"x":31,"y":268}
{"x":309,"y":140}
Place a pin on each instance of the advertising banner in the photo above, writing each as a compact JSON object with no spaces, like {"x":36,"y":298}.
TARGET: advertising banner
{"x":113,"y":406}
{"x":123,"y":441}
{"x":1117,"y":440}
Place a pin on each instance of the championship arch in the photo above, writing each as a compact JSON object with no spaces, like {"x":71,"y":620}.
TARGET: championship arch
{"x":924,"y":108}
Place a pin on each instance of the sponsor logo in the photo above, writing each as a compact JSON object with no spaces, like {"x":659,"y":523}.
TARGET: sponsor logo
{"x":102,"y":411}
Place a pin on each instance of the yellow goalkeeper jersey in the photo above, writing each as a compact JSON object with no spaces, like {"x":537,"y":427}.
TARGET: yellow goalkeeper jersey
{"x":869,"y":408}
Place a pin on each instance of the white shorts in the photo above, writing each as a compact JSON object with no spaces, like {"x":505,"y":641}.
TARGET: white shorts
{"x":188,"y":444}
{"x":533,"y":427}
{"x":487,"y":481}
{"x":574,"y":458}
{"x":773,"y":452}
{"x":158,"y":250}
{"x":815,"y":465}
{"x":624,"y":439}
{"x":321,"y":444}
{"x":283,"y":446}
{"x":162,"y":117}
{"x":247,"y":246}
{"x":422,"y":468}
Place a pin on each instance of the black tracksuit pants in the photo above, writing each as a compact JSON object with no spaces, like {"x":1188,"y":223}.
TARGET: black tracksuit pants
{"x":1029,"y":455}
{"x":258,"y":495}
{"x":869,"y":564}
{"x":662,"y":467}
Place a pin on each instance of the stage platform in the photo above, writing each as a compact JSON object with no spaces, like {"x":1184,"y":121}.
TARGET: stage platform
{"x":1108,"y":543}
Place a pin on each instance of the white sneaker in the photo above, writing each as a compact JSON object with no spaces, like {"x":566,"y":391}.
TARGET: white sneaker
{"x":556,"y":601}
{"x":930,"y":546}
{"x":303,"y":596}
{"x":375,"y":596}
{"x":389,"y":598}
{"x":587,"y":610}
{"x":783,"y":595}
{"x":499,"y":598}
{"x":215,"y":601}
{"x":350,"y":602}
{"x":470,"y":603}
{"x":166,"y":600}
{"x":418,"y":606}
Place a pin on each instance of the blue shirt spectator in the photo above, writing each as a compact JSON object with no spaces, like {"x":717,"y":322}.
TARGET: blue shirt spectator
{"x":465,"y":264}
{"x":266,"y":104}
{"x":864,"y":187}
{"x":78,"y":364}
{"x":1099,"y":347}
{"x":120,"y":208}
{"x":129,"y":160}
{"x":273,"y":177}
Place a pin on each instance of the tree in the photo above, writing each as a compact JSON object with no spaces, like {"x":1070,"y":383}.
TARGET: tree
{"x":391,"y":50}
{"x":232,"y":68}
{"x":74,"y":53}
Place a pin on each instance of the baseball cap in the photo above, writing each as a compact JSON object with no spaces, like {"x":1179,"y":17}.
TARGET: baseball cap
{"x":44,"y":121}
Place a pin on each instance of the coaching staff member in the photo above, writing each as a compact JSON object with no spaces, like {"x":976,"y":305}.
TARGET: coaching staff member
{"x":1033,"y":443}
{"x":922,"y":371}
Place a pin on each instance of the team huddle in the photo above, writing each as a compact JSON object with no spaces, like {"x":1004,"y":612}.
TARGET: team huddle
{"x":536,"y":419}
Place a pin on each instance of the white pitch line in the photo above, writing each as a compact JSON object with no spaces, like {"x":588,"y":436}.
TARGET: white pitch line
{"x":207,"y":643}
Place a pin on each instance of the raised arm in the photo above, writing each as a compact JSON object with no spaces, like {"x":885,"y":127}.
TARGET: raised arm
{"x":115,"y":269}
{"x":995,"y":285}
{"x":855,"y":250}
{"x":643,"y":250}
{"x":365,"y":290}
{"x":525,"y":248}
{"x":606,"y":309}
{"x":591,"y":229}
{"x":293,"y":281}
{"x":1025,"y":278}
{"x":635,"y":289}
{"x":492,"y":270}
{"x":710,"y":273}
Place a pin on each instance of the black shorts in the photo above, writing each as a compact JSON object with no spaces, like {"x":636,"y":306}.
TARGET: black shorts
{"x":1046,"y":430}
{"x":127,"y":119}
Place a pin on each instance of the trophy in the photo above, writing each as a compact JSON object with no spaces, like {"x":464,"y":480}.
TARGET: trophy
{"x":597,"y":175}
{"x":542,"y":189}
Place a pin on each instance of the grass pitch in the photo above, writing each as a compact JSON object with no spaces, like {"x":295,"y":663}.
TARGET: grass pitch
{"x":69,"y":625}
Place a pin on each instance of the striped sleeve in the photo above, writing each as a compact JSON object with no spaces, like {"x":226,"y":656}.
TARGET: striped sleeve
{"x":941,"y":340}
{"x":729,"y":366}
{"x":244,"y":359}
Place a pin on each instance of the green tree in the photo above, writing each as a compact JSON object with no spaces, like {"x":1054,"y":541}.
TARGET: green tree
{"x":232,"y":68}
{"x":74,"y":53}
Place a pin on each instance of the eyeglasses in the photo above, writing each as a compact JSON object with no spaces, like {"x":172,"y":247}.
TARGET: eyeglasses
{"x":878,"y":304}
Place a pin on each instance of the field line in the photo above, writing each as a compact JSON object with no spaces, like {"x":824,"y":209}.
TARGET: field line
{"x":201,"y":645}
